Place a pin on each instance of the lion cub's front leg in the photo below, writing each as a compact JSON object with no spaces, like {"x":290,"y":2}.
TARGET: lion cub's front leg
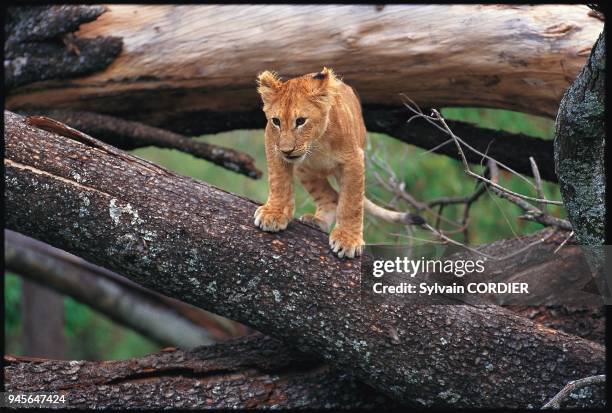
{"x":276,"y":213}
{"x":346,"y":239}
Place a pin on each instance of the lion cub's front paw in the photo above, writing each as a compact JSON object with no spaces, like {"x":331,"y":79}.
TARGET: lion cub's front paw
{"x":271,"y":219}
{"x":311,"y":219}
{"x":345,"y":244}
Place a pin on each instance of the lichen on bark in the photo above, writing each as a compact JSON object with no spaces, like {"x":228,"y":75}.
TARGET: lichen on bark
{"x":579,"y":149}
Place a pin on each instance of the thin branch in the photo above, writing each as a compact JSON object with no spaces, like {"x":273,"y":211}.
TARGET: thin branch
{"x":487,"y":256}
{"x":436,"y":118}
{"x":165,"y":320}
{"x":446,"y":129}
{"x":538,"y":182}
{"x":126,"y":134}
{"x":532,"y":213}
{"x":555,"y":402}
{"x":469,"y":172}
{"x":571,"y":234}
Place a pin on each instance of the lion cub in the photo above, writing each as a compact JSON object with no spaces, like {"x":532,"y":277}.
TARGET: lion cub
{"x":315,"y":130}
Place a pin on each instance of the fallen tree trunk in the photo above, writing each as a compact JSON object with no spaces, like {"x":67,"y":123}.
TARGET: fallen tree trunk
{"x":192,"y":241}
{"x":182,"y":59}
{"x":251,"y":372}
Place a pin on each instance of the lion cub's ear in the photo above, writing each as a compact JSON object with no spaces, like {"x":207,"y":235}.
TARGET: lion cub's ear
{"x":324,"y":84}
{"x":325,"y":75}
{"x":268,"y":84}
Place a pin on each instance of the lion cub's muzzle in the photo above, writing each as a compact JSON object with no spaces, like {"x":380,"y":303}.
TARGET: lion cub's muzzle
{"x":293,"y":155}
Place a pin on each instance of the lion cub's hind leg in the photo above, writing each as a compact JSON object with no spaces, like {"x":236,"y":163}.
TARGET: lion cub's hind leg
{"x":324,"y":196}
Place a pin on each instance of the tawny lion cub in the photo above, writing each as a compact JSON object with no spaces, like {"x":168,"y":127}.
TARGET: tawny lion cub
{"x":315,"y":130}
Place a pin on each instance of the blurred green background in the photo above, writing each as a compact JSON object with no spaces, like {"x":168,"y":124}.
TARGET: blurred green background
{"x":92,"y":336}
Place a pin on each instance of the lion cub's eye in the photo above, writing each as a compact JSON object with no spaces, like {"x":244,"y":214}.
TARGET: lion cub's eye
{"x":276,"y":121}
{"x":300,"y":121}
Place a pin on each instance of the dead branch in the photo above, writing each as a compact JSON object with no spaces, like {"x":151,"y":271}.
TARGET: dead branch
{"x":130,"y":307}
{"x":538,"y":182}
{"x":510,"y":148}
{"x":531,"y":212}
{"x":572,"y":386}
{"x":101,"y":203}
{"x":129,"y":135}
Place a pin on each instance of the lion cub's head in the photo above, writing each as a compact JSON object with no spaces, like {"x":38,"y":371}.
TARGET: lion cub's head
{"x":297,"y":110}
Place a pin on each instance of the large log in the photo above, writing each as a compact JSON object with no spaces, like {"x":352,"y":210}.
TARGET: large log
{"x":251,"y":372}
{"x":182,"y":59}
{"x":195,"y":242}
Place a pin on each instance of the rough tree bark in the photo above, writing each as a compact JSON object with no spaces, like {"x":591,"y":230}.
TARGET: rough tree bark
{"x":251,"y":372}
{"x":583,"y":322}
{"x":40,"y":44}
{"x":180,"y":60}
{"x":24,"y":254}
{"x":579,"y":148}
{"x":198,"y":243}
{"x":579,"y":144}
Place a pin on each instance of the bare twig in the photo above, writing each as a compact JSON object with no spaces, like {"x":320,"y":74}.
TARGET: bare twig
{"x":538,"y":182}
{"x":469,"y":172}
{"x":397,"y":188}
{"x":571,"y":234}
{"x":487,"y":256}
{"x":436,"y":117}
{"x":555,"y":402}
{"x":532,"y":213}
{"x":446,"y":129}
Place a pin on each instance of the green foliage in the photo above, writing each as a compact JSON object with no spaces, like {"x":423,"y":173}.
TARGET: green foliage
{"x":89,"y":335}
{"x":426,"y":176}
{"x":92,"y":336}
{"x":12,"y":313}
{"x":503,"y":120}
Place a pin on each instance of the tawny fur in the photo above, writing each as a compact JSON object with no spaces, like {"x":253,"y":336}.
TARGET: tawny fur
{"x":329,"y":142}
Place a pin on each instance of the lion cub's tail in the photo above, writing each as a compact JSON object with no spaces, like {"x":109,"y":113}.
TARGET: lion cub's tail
{"x":392,"y":216}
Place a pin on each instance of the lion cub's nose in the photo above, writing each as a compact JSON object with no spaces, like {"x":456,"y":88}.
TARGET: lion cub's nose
{"x":287,"y":152}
